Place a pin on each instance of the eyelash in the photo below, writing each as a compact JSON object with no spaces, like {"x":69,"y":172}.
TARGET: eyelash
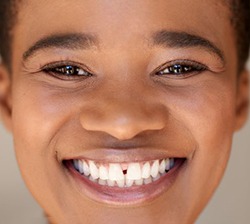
{"x":174,"y":69}
{"x":181,"y":69}
{"x":66,"y":70}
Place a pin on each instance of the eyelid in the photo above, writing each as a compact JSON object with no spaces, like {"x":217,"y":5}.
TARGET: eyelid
{"x":61,"y":63}
{"x":182,"y":62}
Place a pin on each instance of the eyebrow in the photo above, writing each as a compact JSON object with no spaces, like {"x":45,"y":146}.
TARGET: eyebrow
{"x":73,"y":41}
{"x":164,"y":38}
{"x":185,"y":40}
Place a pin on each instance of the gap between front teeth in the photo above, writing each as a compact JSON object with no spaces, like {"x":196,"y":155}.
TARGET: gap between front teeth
{"x":123,"y":175}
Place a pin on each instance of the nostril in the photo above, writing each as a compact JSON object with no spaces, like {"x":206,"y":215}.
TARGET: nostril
{"x":123,"y":122}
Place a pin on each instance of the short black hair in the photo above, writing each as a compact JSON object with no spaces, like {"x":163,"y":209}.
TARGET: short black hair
{"x":8,"y":17}
{"x":240,"y":19}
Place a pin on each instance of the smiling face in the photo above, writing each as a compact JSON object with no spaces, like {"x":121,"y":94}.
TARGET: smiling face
{"x":124,"y":110}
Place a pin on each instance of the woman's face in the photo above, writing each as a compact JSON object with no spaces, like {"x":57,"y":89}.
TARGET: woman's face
{"x":143,"y":95}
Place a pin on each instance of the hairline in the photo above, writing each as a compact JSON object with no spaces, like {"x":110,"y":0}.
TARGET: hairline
{"x":230,"y":4}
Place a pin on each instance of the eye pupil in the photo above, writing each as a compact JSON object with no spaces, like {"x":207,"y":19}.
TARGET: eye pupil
{"x":69,"y":70}
{"x":182,"y":69}
{"x":177,"y":69}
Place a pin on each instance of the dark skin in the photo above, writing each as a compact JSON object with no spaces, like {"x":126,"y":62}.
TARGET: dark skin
{"x":124,"y":92}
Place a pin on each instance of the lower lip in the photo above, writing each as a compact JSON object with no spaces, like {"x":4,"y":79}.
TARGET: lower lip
{"x":125,"y":196}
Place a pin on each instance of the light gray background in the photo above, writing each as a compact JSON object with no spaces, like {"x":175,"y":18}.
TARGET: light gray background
{"x":230,"y":204}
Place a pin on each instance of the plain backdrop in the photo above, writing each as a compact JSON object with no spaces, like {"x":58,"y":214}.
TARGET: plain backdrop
{"x":230,"y":204}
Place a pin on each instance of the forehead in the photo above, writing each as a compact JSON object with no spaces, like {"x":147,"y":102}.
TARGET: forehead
{"x":146,"y":13}
{"x":126,"y":22}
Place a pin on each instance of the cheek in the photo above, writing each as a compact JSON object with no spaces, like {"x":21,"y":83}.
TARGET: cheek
{"x":209,"y":115}
{"x":36,"y":120}
{"x":208,"y":109}
{"x":38,"y":114}
{"x":212,"y":120}
{"x":37,"y":117}
{"x":212,"y":123}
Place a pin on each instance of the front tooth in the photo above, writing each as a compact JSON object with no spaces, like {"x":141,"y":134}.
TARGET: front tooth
{"x":162,"y":166}
{"x":134,"y":171}
{"x":139,"y":182}
{"x":86,"y":170}
{"x":115,"y":172}
{"x":129,"y":182}
{"x":120,"y":183}
{"x":155,"y":168}
{"x":146,"y":170}
{"x":93,"y":170}
{"x":167,"y":164}
{"x":103,"y":173}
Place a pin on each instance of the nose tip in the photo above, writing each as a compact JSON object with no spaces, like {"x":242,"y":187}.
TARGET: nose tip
{"x":123,"y":125}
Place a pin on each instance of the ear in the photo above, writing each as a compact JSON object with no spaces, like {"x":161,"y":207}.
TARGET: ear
{"x":242,"y":102}
{"x":5,"y":97}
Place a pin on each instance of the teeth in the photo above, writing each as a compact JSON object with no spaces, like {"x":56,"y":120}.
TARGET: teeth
{"x":111,"y":175}
{"x":121,"y":183}
{"x":76,"y":164}
{"x":93,"y":170}
{"x":129,"y":182}
{"x":162,"y":166}
{"x":134,"y":171}
{"x":80,"y":166}
{"x":111,"y":183}
{"x":92,"y":179}
{"x":86,"y":170}
{"x":146,"y":170}
{"x":103,"y":173}
{"x":102,"y":182}
{"x":171,"y":163}
{"x":155,"y":168}
{"x":157,"y":177}
{"x":148,"y":180}
{"x":139,"y":182}
{"x":167,"y":164}
{"x":115,"y":172}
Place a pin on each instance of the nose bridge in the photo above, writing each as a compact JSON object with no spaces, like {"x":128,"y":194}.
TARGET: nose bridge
{"x":123,"y":112}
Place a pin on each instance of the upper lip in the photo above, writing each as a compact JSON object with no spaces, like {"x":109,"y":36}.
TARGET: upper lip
{"x":147,"y":146}
{"x":127,"y":155}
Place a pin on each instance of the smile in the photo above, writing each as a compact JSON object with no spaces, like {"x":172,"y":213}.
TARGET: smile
{"x":123,"y":174}
{"x":124,"y":183}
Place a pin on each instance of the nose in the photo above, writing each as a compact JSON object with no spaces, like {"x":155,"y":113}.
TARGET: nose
{"x":123,"y":117}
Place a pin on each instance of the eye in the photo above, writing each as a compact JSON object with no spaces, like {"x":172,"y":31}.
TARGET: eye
{"x":181,"y":68}
{"x":66,"y":71}
{"x":69,"y":70}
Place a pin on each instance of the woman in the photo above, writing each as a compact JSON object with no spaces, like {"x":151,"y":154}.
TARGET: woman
{"x":123,"y":111}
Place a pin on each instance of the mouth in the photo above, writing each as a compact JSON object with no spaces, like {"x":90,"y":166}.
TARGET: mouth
{"x":123,"y":174}
{"x":124,"y":183}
